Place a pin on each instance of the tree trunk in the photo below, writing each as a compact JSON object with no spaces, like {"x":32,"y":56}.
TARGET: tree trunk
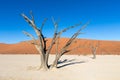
{"x":44,"y":64}
{"x":54,"y":65}
{"x":94,"y":55}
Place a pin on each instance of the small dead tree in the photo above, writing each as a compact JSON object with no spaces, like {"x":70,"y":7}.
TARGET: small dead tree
{"x":41,"y":45}
{"x":94,"y":48}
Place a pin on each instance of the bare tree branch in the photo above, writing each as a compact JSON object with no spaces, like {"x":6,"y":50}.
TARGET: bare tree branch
{"x":31,"y":36}
{"x":64,"y":30}
{"x":33,"y":20}
{"x":29,"y":21}
{"x":54,"y":37}
{"x":73,"y":37}
{"x":39,"y":34}
{"x":55,"y":23}
{"x":43,"y":23}
{"x":59,"y":34}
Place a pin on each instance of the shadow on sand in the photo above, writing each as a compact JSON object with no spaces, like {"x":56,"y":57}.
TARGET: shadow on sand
{"x":66,"y":62}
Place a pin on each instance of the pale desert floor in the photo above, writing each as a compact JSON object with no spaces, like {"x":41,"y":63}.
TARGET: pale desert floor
{"x":74,"y":67}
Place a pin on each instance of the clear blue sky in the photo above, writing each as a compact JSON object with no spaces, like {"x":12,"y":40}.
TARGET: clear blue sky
{"x":104,"y":16}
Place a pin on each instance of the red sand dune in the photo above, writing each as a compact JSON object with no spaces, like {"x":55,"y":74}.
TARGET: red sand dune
{"x":105,"y":47}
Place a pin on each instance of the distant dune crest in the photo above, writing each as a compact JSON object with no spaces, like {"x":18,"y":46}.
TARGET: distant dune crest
{"x":105,"y":47}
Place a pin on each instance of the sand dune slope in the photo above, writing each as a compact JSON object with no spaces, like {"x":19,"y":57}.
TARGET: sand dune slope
{"x":105,"y":47}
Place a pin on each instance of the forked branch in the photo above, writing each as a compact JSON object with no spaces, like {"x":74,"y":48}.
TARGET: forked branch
{"x":72,"y":39}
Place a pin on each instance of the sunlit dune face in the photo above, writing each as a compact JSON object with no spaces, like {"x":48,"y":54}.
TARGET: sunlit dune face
{"x":80,"y":46}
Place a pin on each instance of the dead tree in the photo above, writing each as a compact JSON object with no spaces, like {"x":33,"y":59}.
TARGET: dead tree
{"x":41,"y":45}
{"x":94,"y":49}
